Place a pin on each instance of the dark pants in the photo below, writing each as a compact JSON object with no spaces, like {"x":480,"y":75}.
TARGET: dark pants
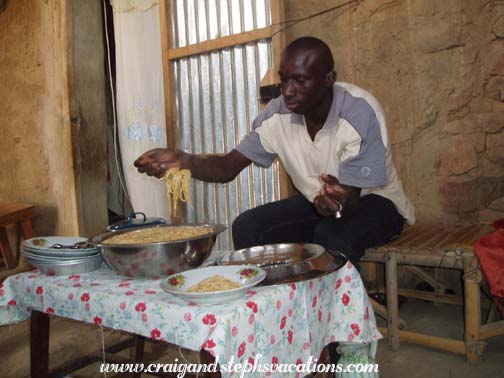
{"x":375,"y":221}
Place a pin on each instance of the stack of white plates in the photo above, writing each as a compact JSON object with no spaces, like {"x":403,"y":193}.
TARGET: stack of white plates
{"x":59,"y":255}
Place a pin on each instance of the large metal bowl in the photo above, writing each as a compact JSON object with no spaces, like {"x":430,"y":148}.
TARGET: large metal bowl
{"x":157,"y":259}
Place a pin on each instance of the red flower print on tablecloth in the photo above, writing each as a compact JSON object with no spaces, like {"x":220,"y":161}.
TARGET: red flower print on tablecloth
{"x":251,"y":361}
{"x":311,"y":285}
{"x":293,"y":286}
{"x":314,"y":301}
{"x":283,"y":321}
{"x":187,"y":317}
{"x":124,"y":284}
{"x":39,"y":290}
{"x":252,"y":306}
{"x":349,"y":265}
{"x":155,"y":334}
{"x":234,"y":331}
{"x":351,"y":337}
{"x":122,"y":306}
{"x":28,"y":290}
{"x":97,"y":320}
{"x":129,"y":292}
{"x":328,"y":316}
{"x":11,"y":303}
{"x":332,"y":339}
{"x":274,"y":361}
{"x":144,"y":317}
{"x":272,"y":339}
{"x":209,"y":319}
{"x":251,"y":293}
{"x":241,"y":349}
{"x":208,"y":344}
{"x":149,"y":292}
{"x":74,"y":277}
{"x":77,"y":285}
{"x":289,"y":336}
{"x":319,"y":315}
{"x":70,"y":296}
{"x":338,"y":283}
{"x":345,"y":299}
{"x":140,"y":307}
{"x":251,"y":319}
{"x":94,"y":284}
{"x":291,"y":295}
{"x":278,"y":304}
{"x":1,"y":292}
{"x":50,"y":310}
{"x":348,"y":279}
{"x":290,"y":312}
{"x":355,"y":328}
{"x":84,"y":297}
{"x":299,"y":362}
{"x":88,"y":307}
{"x":251,"y":338}
{"x":306,"y":346}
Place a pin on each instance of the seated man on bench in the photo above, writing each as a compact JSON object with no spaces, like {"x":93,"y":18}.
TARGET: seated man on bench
{"x":331,"y":138}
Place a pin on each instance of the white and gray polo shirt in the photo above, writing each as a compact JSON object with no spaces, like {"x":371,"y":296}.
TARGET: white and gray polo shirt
{"x":352,"y":145}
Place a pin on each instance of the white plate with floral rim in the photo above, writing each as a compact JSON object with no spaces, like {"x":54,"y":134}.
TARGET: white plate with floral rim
{"x":247,"y":276}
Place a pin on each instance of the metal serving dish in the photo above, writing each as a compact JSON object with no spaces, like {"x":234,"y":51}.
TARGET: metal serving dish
{"x":287,"y":262}
{"x":157,"y":259}
{"x":65,"y":268}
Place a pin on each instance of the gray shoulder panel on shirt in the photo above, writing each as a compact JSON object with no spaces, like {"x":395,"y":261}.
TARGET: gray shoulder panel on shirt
{"x":368,"y":168}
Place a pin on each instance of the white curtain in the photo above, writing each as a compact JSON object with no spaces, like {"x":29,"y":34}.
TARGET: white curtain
{"x":140,"y":98}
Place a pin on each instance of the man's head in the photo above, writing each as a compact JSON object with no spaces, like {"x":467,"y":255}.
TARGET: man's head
{"x":307,"y":74}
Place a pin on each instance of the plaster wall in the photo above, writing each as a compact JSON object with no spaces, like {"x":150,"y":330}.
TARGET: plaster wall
{"x":35,"y":143}
{"x":437,"y":67}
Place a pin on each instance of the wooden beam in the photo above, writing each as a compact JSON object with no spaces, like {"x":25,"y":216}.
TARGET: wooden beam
{"x":492,"y":329}
{"x":168,"y":75}
{"x":434,"y":342}
{"x":219,"y":43}
{"x":433,"y":297}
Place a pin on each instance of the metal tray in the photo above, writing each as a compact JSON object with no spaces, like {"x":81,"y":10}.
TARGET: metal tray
{"x":287,"y":262}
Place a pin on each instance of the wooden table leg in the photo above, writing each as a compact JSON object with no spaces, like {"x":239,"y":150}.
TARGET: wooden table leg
{"x":39,"y":344}
{"x":139,"y":353}
{"x":472,"y":278}
{"x":208,"y":359}
{"x":6,"y":250}
{"x":392,"y":301}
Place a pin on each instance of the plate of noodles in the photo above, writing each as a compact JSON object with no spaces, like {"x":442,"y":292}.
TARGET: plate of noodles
{"x":213,"y":284}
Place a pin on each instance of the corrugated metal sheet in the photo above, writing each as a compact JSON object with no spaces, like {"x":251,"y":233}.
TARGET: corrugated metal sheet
{"x":217,"y":102}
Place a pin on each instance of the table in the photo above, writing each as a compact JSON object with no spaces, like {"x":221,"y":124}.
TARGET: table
{"x":285,"y":323}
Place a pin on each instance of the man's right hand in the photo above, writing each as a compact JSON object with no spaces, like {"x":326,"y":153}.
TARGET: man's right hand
{"x":157,"y":161}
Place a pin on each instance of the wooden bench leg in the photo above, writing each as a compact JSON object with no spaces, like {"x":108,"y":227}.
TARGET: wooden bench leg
{"x":392,"y":301}
{"x":472,"y":279}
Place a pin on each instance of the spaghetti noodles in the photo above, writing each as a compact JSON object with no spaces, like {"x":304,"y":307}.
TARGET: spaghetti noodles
{"x":214,"y":283}
{"x":177,"y":187}
{"x":158,"y":235}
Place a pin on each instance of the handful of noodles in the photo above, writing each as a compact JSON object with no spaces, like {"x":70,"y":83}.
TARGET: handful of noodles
{"x":177,"y":187}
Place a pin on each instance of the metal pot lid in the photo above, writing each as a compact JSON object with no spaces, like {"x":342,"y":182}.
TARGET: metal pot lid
{"x":135,"y":220}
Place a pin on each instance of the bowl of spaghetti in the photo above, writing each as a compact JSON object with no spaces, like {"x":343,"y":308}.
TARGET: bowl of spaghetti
{"x":213,"y":284}
{"x":157,"y":251}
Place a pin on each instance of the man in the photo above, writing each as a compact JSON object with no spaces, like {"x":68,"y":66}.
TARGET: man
{"x":332,"y":140}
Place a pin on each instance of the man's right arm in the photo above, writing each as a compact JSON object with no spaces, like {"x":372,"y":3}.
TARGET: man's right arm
{"x":209,"y":168}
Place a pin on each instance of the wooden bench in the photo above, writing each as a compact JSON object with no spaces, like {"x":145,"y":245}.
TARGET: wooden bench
{"x":437,"y":246}
{"x":20,"y":215}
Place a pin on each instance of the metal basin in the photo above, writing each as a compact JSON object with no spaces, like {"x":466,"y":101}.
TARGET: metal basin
{"x":287,"y":262}
{"x":157,"y":259}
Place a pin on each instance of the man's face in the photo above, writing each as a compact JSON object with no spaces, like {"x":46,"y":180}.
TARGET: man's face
{"x":304,"y":83}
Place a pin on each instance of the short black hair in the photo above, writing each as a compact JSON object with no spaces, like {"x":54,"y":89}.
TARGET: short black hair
{"x":314,"y":44}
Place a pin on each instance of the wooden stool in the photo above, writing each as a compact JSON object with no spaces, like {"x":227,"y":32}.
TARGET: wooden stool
{"x":19,"y":214}
{"x":437,"y":246}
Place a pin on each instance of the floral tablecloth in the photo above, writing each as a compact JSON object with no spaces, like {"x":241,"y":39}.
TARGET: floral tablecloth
{"x":284,"y":324}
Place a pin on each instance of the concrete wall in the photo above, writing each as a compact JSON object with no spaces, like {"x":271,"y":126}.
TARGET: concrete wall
{"x":437,"y":67}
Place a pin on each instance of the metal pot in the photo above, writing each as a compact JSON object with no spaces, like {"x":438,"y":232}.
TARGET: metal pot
{"x":157,"y":259}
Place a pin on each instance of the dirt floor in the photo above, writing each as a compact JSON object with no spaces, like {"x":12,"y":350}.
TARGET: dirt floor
{"x":72,"y":339}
